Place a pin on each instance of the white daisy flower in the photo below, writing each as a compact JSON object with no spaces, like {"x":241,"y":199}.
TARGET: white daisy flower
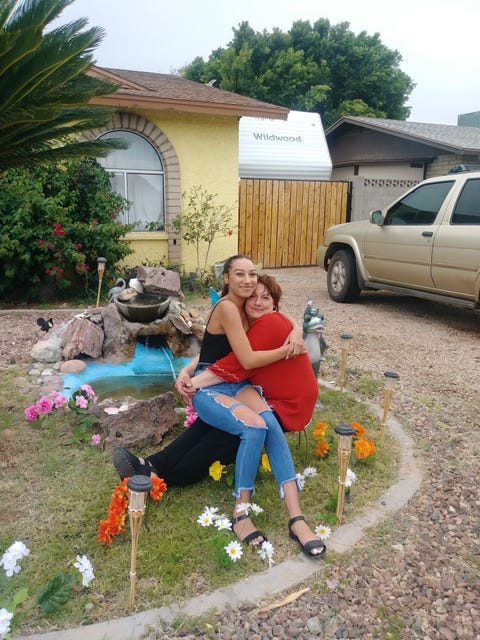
{"x":212,"y":511}
{"x":309,"y":472}
{"x":5,"y":619}
{"x":234,"y":550}
{"x":223,"y":523}
{"x":205,"y":519}
{"x":243,"y":507}
{"x":350,"y":478}
{"x":266,"y":552}
{"x":323,"y":531}
{"x":256,"y":508}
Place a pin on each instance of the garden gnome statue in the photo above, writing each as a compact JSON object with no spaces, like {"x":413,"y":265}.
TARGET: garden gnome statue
{"x":313,"y":326}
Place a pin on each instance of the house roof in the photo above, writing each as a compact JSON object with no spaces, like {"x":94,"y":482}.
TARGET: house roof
{"x":165,"y":92}
{"x":451,"y":138}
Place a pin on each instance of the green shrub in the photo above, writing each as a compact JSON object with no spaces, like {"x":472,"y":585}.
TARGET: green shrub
{"x":55,"y":221}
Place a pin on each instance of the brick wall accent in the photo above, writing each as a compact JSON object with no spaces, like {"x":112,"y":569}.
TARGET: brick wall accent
{"x":171,"y":166}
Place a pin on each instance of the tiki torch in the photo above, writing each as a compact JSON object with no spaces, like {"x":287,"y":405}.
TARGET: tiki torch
{"x":391,"y":379}
{"x":101,"y":270}
{"x":346,"y":337}
{"x":345,"y":433}
{"x":138,"y":486}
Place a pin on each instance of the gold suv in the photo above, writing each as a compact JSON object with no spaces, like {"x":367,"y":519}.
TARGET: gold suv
{"x":425,"y":244}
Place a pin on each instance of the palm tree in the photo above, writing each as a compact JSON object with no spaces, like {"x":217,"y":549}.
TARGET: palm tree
{"x":45,"y":88}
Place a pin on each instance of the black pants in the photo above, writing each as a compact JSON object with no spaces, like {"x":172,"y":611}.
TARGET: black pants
{"x":187,"y":459}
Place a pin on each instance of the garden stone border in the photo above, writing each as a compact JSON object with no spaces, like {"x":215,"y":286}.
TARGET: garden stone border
{"x":279,"y":578}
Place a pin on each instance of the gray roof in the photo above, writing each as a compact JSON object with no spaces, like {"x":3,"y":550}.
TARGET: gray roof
{"x":452,"y":138}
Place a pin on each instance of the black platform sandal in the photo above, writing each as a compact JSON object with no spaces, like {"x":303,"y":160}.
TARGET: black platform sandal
{"x":309,"y":546}
{"x":251,"y":536}
{"x":129,"y":465}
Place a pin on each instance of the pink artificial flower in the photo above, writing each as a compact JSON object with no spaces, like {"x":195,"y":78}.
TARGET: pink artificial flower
{"x":44,"y":405}
{"x":90,"y":392}
{"x":31,"y":413}
{"x":81,"y":402}
{"x":190,"y":416}
{"x":95,"y":439}
{"x":58,"y":400}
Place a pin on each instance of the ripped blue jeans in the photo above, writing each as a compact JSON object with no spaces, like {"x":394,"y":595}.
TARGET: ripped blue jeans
{"x":252,"y":438}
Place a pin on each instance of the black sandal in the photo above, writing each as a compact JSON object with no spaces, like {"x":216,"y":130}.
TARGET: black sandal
{"x":251,"y":536}
{"x":309,"y":546}
{"x":129,"y":465}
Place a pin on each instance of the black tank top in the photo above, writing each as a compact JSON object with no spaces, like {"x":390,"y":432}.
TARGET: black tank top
{"x":214,"y":345}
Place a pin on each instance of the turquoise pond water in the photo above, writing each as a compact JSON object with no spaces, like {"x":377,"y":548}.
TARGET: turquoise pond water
{"x":151,"y":371}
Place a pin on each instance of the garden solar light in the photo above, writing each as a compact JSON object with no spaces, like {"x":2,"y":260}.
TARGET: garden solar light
{"x":138,"y":487}
{"x":345,"y":433}
{"x":101,"y":270}
{"x":346,"y":337}
{"x":391,"y":379}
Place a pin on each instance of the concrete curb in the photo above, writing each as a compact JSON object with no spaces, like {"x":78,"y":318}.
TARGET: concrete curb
{"x":278,"y":578}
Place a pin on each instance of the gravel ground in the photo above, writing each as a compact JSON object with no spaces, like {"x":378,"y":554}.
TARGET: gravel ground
{"x":416,"y":575}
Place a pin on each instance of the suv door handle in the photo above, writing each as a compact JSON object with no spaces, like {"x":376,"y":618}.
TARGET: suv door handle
{"x":427,"y":234}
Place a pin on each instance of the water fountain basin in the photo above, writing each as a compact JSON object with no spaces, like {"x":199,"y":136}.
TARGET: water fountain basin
{"x":144,"y":307}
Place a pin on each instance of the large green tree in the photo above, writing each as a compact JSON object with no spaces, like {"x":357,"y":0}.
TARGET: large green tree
{"x":320,"y":67}
{"x":44,"y":87}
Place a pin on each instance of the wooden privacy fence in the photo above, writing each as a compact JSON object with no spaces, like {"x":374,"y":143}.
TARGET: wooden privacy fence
{"x":282,"y":222}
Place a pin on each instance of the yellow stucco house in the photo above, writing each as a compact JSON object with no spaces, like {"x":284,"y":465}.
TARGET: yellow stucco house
{"x":181,"y":134}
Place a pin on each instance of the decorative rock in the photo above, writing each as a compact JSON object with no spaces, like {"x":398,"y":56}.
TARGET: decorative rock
{"x":48,"y":350}
{"x":82,"y":337}
{"x":159,"y":280}
{"x":73,"y":366}
{"x":143,"y":422}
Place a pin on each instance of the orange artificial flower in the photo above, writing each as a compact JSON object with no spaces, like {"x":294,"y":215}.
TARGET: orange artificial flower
{"x":115,"y":521}
{"x":364,"y":447}
{"x":360,"y":431}
{"x":320,"y":429}
{"x":322,"y":448}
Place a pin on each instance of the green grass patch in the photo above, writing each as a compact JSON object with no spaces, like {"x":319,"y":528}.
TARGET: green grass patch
{"x":54,"y":494}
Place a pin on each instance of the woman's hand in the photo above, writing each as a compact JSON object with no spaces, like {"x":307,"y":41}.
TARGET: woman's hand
{"x":295,"y":343}
{"x":184,"y":387}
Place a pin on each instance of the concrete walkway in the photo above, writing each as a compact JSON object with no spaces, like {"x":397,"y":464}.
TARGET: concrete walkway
{"x":277,"y":579}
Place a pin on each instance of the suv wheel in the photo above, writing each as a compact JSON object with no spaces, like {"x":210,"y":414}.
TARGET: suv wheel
{"x":342,"y":280}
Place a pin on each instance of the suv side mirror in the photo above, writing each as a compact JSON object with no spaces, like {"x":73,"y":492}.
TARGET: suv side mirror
{"x":376,"y":217}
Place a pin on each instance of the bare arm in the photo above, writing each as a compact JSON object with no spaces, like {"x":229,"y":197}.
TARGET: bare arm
{"x":230,"y":321}
{"x":294,"y":339}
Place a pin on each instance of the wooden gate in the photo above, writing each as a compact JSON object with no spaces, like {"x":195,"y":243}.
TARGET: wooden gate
{"x":282,"y":222}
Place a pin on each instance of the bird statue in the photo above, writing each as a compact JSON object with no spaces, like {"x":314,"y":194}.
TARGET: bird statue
{"x":313,"y":326}
{"x":120,"y":285}
{"x":45,"y":325}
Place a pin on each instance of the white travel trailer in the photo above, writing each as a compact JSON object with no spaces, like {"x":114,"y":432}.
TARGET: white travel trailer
{"x":292,"y":149}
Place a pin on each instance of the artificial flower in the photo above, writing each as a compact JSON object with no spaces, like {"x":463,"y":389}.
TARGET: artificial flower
{"x":266,"y":552}
{"x":234,"y":550}
{"x":81,"y":402}
{"x":223,"y":524}
{"x":205,"y":519}
{"x":350,"y":478}
{"x":12,"y":557}
{"x":309,"y":472}
{"x":322,"y":448}
{"x":114,"y":524}
{"x":190,"y":416}
{"x":364,"y":448}
{"x":216,"y":470}
{"x":359,"y":430}
{"x":96,"y":439}
{"x":5,"y":619}
{"x":256,"y":508}
{"x":83,"y":564}
{"x":44,"y":405}
{"x":243,"y":507}
{"x":31,"y":413}
{"x":320,"y":429}
{"x":266,"y":463}
{"x":323,"y":531}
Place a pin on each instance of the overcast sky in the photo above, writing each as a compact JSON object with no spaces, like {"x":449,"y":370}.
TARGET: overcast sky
{"x":437,"y":39}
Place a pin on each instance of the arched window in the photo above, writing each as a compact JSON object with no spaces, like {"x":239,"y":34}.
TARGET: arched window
{"x":137,"y":174}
